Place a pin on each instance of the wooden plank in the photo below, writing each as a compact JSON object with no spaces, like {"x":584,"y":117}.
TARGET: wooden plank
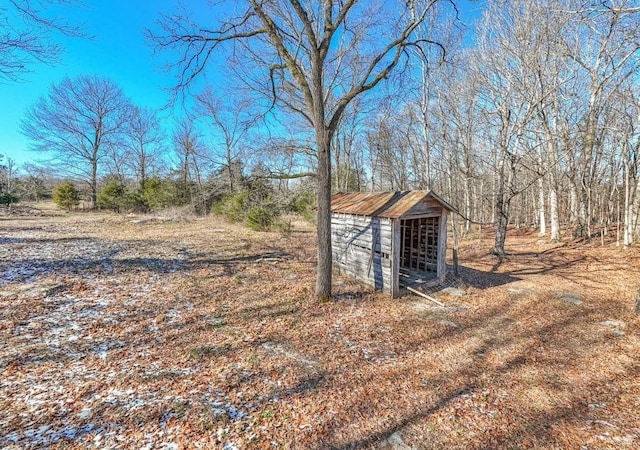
{"x":422,"y":294}
{"x":358,"y":257}
{"x":372,"y":252}
{"x":345,"y":246}
{"x":422,"y":210}
{"x":346,"y":228}
{"x":418,"y":216}
{"x":361,"y":272}
{"x":359,"y":221}
{"x":363,"y":248}
{"x":371,"y":281}
{"x":382,"y":245}
{"x":395,"y":258}
{"x":357,"y":254}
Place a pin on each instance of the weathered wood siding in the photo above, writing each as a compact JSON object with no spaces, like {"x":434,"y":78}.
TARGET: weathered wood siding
{"x":428,"y":207}
{"x":395,"y":258}
{"x":362,"y":248}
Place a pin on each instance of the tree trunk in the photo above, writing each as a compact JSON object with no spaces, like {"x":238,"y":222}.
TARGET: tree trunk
{"x":573,"y":207}
{"x":454,"y":230}
{"x":582,"y":228}
{"x":467,"y":204}
{"x":324,"y":275}
{"x":627,"y":235}
{"x":541,"y":209}
{"x":94,"y":183}
{"x":635,"y":212}
{"x":143,"y":167}
{"x":553,"y":213}
{"x":501,"y":232}
{"x":502,"y":211}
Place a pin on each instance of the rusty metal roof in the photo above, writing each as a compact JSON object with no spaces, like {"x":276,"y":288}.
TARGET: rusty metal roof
{"x":382,"y":204}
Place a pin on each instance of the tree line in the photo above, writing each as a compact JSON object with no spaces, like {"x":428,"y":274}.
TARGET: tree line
{"x":533,"y":123}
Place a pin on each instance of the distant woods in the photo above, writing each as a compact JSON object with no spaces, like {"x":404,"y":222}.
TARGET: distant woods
{"x":534,"y":124}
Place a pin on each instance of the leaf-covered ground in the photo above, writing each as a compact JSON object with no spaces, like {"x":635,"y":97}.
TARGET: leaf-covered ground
{"x":124,"y":333}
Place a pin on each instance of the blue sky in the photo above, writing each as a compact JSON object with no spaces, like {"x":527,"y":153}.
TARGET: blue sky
{"x":118,"y":50}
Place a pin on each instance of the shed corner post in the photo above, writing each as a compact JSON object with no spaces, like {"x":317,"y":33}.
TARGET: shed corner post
{"x":395,"y":258}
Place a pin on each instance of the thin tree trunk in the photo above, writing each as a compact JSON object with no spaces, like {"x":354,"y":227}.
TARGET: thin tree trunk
{"x":467,"y":204}
{"x":94,"y":183}
{"x":502,"y":212}
{"x":541,"y":208}
{"x":324,"y":270}
{"x":553,"y":212}
{"x":628,"y":212}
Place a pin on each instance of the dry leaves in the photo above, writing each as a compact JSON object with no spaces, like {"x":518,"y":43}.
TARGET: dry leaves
{"x":158,"y":334}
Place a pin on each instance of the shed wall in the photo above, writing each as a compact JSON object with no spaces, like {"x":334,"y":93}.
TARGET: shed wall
{"x":362,"y":248}
{"x":426,"y":208}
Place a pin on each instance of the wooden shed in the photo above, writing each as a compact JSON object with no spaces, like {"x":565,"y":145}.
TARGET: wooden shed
{"x":390,"y":240}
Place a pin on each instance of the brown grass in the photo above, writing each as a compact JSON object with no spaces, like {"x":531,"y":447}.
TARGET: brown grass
{"x":201,"y":333}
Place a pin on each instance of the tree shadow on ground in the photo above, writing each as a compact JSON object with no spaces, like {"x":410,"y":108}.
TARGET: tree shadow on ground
{"x":103,"y":256}
{"x":482,"y":280}
{"x":498,"y":353}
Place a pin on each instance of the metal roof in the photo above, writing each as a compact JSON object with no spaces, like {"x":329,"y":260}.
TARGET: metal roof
{"x":382,"y":204}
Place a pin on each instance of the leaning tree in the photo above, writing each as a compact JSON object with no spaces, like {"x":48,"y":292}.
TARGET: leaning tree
{"x":313,"y":58}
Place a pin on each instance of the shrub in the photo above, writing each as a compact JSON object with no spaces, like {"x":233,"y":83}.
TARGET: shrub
{"x":7,"y":198}
{"x":283,"y":227}
{"x":232,"y":206}
{"x":261,"y":218}
{"x":156,"y":193}
{"x":303,"y":203}
{"x":112,"y":196}
{"x":134,"y":201}
{"x":65,"y":195}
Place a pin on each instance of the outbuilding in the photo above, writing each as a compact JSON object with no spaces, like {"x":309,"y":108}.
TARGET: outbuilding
{"x":390,"y":240}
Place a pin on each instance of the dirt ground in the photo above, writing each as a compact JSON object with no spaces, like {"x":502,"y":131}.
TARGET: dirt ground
{"x":129,"y":332}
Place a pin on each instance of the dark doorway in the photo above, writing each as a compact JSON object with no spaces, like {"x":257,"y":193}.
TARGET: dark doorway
{"x":419,"y":249}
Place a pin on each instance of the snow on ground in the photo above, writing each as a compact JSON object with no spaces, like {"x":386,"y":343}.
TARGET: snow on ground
{"x":80,"y":318}
{"x":121,"y":333}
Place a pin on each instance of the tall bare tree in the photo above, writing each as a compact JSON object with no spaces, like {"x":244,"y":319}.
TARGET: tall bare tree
{"x":603,"y":46}
{"x":318,"y":57}
{"x":143,"y":141}
{"x":194,"y":160}
{"x":231,"y":122}
{"x":78,"y":121}
{"x":7,"y":175}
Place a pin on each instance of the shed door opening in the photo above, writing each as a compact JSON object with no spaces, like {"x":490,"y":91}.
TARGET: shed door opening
{"x":419,"y":248}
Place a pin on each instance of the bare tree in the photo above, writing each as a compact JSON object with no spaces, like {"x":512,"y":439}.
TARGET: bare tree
{"x":78,"y":121}
{"x":602,"y":45}
{"x":232,"y":121}
{"x":143,"y":142}
{"x":509,"y":107}
{"x":7,"y":175}
{"x":193,"y":157}
{"x":318,"y":57}
{"x":27,"y":29}
{"x":33,"y":182}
